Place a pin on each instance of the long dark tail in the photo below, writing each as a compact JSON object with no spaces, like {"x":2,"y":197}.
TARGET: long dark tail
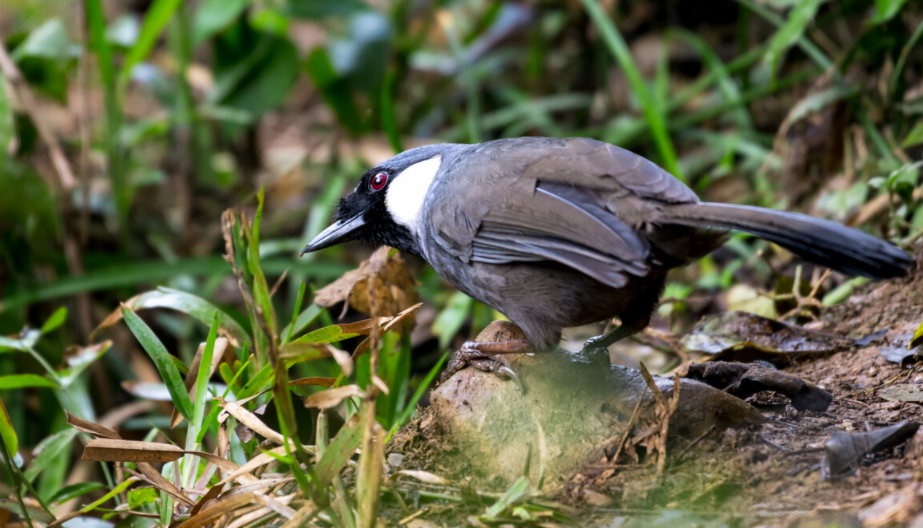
{"x":829,"y":244}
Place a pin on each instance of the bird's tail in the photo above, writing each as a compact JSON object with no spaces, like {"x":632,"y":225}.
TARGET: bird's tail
{"x":825,"y":243}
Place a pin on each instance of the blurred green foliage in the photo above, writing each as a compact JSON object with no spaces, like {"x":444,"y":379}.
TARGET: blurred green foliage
{"x":170,"y":111}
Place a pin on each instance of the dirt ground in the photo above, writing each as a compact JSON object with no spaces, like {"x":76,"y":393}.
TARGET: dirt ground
{"x":772,"y":476}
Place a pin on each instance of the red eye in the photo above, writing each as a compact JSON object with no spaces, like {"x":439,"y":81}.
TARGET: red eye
{"x":378,"y":181}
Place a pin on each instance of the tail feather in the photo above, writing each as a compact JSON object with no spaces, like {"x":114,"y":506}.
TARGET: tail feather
{"x":822,"y":242}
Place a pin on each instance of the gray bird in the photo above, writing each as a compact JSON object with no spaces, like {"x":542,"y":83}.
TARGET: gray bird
{"x":556,"y":233}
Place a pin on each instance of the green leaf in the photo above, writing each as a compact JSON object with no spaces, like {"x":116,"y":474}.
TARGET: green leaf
{"x":201,"y":390}
{"x":791,"y":31}
{"x":48,"y":41}
{"x":57,"y":319}
{"x":327,"y":334}
{"x":914,"y":137}
{"x":338,"y":453}
{"x":162,"y":361}
{"x":885,"y":10}
{"x":47,"y":450}
{"x":213,"y":16}
{"x":22,"y":381}
{"x":73,"y":491}
{"x":452,"y":317}
{"x":141,"y":496}
{"x":7,"y":432}
{"x":260,"y":286}
{"x":158,"y":14}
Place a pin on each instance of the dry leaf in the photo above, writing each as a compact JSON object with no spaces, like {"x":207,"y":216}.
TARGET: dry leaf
{"x":89,"y":427}
{"x":112,"y":450}
{"x":319,"y":382}
{"x":388,"y":277}
{"x":217,"y":510}
{"x":332,"y":397}
{"x":250,"y":420}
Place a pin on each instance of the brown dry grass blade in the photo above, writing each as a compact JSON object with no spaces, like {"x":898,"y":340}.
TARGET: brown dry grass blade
{"x":317,"y":382}
{"x":147,"y":471}
{"x":89,"y":427}
{"x":117,"y":450}
{"x":255,"y":462}
{"x":217,"y":510}
{"x":221,"y":344}
{"x":302,"y":517}
{"x":364,"y":327}
{"x":250,"y":420}
{"x":332,"y":397}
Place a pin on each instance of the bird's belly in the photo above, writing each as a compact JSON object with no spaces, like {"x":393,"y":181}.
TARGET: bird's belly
{"x":541,"y":297}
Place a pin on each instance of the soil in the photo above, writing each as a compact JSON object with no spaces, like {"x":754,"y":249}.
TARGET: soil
{"x":771,"y":475}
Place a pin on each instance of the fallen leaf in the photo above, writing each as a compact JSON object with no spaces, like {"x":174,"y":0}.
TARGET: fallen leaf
{"x":744,"y":380}
{"x":909,"y":392}
{"x":900,"y":352}
{"x":392,"y":285}
{"x":745,"y":337}
{"x":111,"y":450}
{"x":845,"y":449}
{"x":871,"y":338}
{"x":332,"y":397}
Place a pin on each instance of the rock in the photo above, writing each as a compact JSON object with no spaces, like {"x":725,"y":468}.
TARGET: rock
{"x":572,"y":408}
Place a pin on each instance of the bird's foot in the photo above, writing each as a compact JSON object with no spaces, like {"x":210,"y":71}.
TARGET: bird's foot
{"x":487,"y":357}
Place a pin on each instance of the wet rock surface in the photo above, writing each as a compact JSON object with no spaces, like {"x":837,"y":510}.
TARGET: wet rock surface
{"x":573,"y":409}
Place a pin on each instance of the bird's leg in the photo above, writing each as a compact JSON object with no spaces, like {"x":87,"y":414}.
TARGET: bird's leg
{"x":603,"y":342}
{"x":487,"y":356}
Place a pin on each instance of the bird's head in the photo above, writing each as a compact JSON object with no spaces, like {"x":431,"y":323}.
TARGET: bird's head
{"x":386,"y":207}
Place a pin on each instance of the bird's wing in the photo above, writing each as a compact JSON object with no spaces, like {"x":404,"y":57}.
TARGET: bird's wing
{"x":545,"y":199}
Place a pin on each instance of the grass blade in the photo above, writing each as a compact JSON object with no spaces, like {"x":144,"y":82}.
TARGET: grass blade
{"x":162,"y":360}
{"x":622,"y":55}
{"x":156,"y":18}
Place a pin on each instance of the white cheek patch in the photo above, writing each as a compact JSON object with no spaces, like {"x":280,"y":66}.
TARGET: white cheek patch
{"x":407,"y":193}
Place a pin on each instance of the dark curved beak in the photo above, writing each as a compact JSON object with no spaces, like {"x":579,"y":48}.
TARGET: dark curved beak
{"x":341,"y":231}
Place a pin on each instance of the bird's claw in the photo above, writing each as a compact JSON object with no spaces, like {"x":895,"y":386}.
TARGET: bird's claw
{"x":469,"y":354}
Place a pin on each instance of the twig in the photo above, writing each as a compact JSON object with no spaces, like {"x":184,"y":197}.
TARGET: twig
{"x":631,"y":420}
{"x":694,"y":443}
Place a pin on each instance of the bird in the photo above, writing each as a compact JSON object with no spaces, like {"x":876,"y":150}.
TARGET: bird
{"x":562,"y":232}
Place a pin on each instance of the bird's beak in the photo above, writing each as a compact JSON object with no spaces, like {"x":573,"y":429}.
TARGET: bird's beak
{"x":340,"y":231}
